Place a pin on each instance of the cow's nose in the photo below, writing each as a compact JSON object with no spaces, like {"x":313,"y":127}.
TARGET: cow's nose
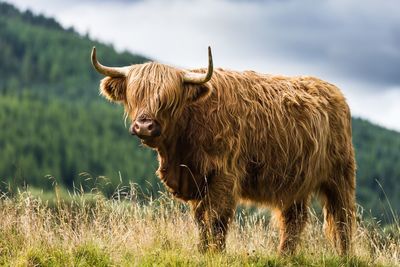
{"x":132,"y":129}
{"x":147,"y":128}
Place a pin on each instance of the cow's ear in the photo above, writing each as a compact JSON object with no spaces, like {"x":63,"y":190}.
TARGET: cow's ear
{"x":197,"y":92}
{"x":114,"y":89}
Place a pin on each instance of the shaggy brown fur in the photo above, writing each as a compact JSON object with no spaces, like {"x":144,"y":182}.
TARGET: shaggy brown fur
{"x":245,"y":136}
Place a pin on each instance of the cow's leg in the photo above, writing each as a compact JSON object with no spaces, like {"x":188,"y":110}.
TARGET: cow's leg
{"x":199,"y":217}
{"x":218,"y":224}
{"x":292,"y":221}
{"x":213,"y":214}
{"x":339,"y":215}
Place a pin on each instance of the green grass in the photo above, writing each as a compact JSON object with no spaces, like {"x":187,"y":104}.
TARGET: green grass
{"x":62,"y":229}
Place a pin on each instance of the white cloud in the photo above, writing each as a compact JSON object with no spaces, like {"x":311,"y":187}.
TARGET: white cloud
{"x":353,"y":43}
{"x":379,"y":106}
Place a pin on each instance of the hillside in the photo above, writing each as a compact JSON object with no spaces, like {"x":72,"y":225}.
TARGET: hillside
{"x":53,"y":121}
{"x":55,"y":127}
{"x":38,"y":54}
{"x":378,"y":168}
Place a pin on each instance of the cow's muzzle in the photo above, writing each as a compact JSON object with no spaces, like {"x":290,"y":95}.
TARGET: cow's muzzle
{"x":145,"y":128}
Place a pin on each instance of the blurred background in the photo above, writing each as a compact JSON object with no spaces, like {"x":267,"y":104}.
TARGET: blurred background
{"x":55,"y":129}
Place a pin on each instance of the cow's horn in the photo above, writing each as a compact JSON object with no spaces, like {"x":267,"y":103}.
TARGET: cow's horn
{"x":199,"y":78}
{"x":115,"y":72}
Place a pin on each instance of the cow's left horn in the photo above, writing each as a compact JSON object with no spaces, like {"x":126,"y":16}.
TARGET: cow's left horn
{"x":199,"y":78}
{"x":114,"y":72}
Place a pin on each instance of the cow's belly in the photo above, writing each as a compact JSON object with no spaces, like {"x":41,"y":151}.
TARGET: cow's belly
{"x":274,"y":190}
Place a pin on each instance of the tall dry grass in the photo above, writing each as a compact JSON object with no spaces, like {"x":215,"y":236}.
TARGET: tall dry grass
{"x":89,"y":230}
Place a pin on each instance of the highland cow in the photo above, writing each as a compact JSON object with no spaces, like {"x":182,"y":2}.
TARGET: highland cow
{"x":225,"y":136}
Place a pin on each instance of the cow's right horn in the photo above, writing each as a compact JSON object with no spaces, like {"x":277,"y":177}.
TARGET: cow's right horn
{"x":114,"y":72}
{"x":199,"y":78}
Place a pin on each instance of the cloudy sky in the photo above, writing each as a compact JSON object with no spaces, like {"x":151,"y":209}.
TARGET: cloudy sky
{"x":354,"y":44}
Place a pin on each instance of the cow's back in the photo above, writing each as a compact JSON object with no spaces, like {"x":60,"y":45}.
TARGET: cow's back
{"x":279,"y":136}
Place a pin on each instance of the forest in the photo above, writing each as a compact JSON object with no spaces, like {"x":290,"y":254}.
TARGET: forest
{"x":54,"y":127}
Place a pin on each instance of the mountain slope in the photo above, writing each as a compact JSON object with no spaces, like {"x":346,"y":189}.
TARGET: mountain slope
{"x":52,"y":119}
{"x":54,"y":123}
{"x":378,"y":168}
{"x":38,"y":53}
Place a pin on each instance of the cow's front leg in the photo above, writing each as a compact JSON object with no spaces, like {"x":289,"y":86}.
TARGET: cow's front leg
{"x":199,"y":217}
{"x":213,"y":215}
{"x":219,"y":223}
{"x":292,"y":222}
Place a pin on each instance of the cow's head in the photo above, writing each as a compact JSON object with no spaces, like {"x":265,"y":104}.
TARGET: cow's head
{"x":154,"y":95}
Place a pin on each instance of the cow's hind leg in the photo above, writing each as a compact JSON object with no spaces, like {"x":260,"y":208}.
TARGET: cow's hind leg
{"x":339,"y":215}
{"x":291,"y":222}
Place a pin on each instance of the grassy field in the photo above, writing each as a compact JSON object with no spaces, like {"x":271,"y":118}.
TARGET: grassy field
{"x":88,"y":230}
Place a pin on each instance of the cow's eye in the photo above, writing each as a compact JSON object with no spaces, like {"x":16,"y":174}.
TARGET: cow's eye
{"x":143,"y":117}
